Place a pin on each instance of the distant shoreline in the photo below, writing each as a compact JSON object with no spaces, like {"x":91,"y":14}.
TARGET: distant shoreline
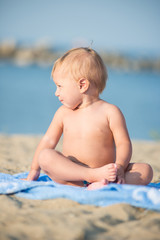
{"x":45,"y":56}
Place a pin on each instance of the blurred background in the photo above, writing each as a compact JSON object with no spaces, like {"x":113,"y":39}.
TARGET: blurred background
{"x":34,"y":33}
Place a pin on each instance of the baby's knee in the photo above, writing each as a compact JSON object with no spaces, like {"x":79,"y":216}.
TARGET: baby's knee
{"x":149,"y":173}
{"x":44,"y":158}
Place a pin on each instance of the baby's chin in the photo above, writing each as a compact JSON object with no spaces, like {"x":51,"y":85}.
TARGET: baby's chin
{"x":72,"y":107}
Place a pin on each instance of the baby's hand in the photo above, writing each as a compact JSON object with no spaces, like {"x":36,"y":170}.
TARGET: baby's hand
{"x":120,"y":174}
{"x":33,"y":175}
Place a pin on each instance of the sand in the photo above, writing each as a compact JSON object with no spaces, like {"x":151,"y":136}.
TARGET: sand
{"x":60,"y":219}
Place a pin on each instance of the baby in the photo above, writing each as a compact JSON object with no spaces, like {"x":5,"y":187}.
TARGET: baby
{"x":96,"y":145}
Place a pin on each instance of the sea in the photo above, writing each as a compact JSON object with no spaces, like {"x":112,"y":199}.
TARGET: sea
{"x":28,"y":102}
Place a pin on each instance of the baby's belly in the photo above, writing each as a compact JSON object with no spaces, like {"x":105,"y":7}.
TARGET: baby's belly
{"x":92,"y":155}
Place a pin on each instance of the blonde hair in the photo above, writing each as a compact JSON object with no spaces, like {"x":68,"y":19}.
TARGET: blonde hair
{"x":83,"y":63}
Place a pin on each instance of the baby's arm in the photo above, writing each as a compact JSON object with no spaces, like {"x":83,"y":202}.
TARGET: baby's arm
{"x":49,"y":140}
{"x":122,"y":141}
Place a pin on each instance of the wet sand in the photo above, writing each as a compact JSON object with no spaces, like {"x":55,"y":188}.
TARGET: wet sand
{"x":60,"y":219}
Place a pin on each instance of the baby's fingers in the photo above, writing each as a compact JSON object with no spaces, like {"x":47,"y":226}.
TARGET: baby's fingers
{"x":121,"y":181}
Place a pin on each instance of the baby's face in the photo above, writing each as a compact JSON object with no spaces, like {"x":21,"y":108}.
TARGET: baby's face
{"x":68,"y":90}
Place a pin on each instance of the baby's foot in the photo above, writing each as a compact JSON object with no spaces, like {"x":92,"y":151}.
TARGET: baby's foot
{"x":108,"y":172}
{"x":97,"y":185}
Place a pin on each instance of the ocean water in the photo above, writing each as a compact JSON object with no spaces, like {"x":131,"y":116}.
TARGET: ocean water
{"x":28,"y":103}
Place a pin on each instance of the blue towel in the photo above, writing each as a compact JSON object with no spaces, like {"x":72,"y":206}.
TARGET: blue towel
{"x":139,"y":196}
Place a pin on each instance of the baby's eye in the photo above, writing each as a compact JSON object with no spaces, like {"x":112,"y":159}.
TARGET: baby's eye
{"x":59,"y":86}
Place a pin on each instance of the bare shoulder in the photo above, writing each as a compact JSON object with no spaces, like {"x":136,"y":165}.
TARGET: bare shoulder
{"x":62,"y":111}
{"x":110,"y":109}
{"x":55,"y":129}
{"x":57,"y":121}
{"x":113,"y":114}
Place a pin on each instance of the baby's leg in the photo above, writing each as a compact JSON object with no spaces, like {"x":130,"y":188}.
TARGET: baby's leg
{"x":61,"y":169}
{"x":138,"y":174}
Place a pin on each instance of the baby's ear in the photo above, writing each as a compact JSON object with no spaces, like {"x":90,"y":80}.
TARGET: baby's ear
{"x":83,"y":85}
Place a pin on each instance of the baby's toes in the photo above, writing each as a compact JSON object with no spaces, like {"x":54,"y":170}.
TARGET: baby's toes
{"x":111,"y":166}
{"x":113,"y":171}
{"x":112,"y":176}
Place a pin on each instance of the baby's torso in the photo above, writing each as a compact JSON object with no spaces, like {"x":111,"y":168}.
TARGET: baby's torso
{"x":87,"y":137}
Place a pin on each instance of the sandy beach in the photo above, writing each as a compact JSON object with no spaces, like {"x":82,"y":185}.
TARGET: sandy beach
{"x":60,"y":219}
